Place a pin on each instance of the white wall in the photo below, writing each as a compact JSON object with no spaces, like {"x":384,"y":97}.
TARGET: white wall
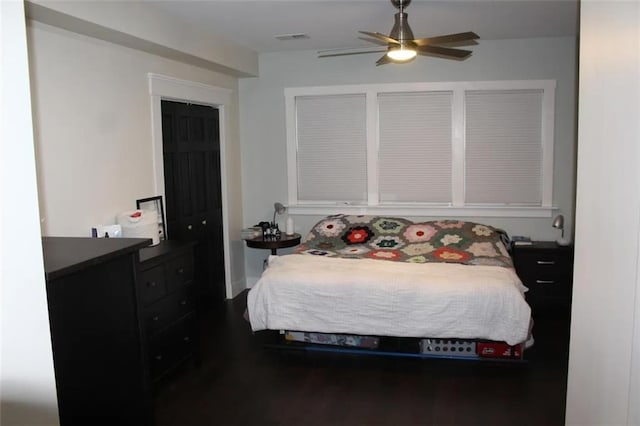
{"x":92,"y":114}
{"x":262,"y":117}
{"x":144,"y":26}
{"x":604,"y":362}
{"x":27,"y":393}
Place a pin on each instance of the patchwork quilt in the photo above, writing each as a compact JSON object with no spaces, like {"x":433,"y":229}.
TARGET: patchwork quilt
{"x":401,"y":240}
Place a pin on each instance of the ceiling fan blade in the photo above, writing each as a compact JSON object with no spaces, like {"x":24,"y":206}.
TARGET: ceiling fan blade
{"x":343,"y":52}
{"x":449,"y":38}
{"x":374,"y":41}
{"x":382,"y":37}
{"x":383,"y":60}
{"x":444,"y":51}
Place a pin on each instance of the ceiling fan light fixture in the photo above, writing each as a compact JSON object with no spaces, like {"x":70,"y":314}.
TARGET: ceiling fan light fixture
{"x":401,"y":53}
{"x":403,"y":47}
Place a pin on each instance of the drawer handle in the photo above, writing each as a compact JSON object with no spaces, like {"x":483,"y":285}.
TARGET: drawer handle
{"x":204,"y":222}
{"x":545,"y":282}
{"x":183,"y":302}
{"x":156,"y":318}
{"x":546,"y":262}
{"x":189,"y":227}
{"x":180,"y":271}
{"x":151,"y":284}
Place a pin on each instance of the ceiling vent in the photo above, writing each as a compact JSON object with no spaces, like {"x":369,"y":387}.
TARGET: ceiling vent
{"x":299,"y":36}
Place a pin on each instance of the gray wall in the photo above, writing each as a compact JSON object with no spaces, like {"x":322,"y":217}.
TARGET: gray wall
{"x":262,"y":118}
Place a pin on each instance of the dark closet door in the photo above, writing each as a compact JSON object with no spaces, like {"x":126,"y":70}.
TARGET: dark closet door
{"x":191,"y":146}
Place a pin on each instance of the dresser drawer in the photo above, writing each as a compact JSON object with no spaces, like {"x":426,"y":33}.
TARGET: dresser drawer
{"x":152,"y":285}
{"x":172,"y":346}
{"x":169,"y":309}
{"x":179,"y":272}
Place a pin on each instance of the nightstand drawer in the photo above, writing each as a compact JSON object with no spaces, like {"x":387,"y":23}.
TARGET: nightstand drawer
{"x":542,"y":266}
{"x":548,"y":289}
{"x":546,"y":277}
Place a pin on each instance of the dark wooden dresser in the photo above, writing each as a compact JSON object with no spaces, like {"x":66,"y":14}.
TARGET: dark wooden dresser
{"x":168,"y":296}
{"x":99,"y":350}
{"x":547,"y":270}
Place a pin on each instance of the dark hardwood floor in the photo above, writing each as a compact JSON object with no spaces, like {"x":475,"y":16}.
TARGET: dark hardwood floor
{"x":239,"y":382}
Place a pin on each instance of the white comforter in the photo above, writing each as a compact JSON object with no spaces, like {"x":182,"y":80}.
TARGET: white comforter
{"x":375,"y":297}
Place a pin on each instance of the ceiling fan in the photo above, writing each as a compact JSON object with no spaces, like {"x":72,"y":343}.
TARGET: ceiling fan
{"x":402,"y":47}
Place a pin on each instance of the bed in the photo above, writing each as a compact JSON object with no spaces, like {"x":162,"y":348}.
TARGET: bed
{"x":364,"y":277}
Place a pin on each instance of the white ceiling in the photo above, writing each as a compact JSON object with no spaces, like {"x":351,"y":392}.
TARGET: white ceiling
{"x":335,"y":24}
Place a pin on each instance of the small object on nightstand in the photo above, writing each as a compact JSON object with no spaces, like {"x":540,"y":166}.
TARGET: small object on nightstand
{"x":558,"y":223}
{"x":518,"y":240}
{"x":278,"y":208}
{"x":252,"y":232}
{"x":272,"y":232}
{"x":273,"y":244}
{"x":289,"y":229}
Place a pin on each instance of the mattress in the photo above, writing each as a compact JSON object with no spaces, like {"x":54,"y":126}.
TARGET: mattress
{"x":384,"y":298}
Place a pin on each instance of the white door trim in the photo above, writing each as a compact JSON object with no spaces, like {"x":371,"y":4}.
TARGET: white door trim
{"x":168,"y":88}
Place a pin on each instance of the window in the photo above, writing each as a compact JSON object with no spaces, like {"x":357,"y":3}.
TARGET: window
{"x":415,"y":152}
{"x":463,"y":148}
{"x":332,"y":148}
{"x":503,"y":150}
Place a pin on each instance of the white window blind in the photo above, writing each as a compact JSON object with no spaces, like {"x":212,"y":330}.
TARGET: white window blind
{"x":503,"y":150}
{"x":331,"y":148}
{"x":432,"y":148}
{"x":415,"y":150}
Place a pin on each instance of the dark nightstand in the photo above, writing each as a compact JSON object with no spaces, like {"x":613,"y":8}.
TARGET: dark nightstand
{"x":547,"y":270}
{"x":272,"y":244}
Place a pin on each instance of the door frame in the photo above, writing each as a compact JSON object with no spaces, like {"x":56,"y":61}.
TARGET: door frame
{"x":172,"y":89}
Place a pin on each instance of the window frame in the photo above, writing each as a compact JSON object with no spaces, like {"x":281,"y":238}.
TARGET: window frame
{"x":457,"y":206}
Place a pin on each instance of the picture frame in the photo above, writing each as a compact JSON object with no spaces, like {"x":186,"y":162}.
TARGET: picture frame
{"x":154,"y":204}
